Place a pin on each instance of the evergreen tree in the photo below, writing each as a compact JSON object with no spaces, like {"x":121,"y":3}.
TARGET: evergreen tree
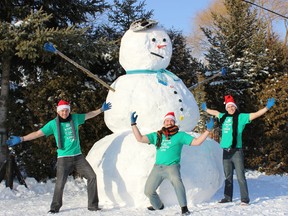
{"x":182,"y":63}
{"x":20,"y":43}
{"x":269,"y":133}
{"x":238,"y":44}
{"x":124,"y":12}
{"x":34,"y":73}
{"x":270,"y":152}
{"x":64,"y":13}
{"x":120,"y":16}
{"x":200,"y":96}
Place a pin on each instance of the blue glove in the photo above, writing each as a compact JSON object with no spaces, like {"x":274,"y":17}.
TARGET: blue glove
{"x":210,"y":124}
{"x":133,"y":118}
{"x":270,"y":102}
{"x":13,"y":140}
{"x":204,"y":107}
{"x":106,"y":106}
{"x":223,"y":71}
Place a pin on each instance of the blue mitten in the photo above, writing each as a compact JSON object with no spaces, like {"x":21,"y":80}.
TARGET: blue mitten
{"x":223,"y":71}
{"x":270,"y":102}
{"x":133,"y":118}
{"x":204,"y":107}
{"x":210,"y":124}
{"x":106,"y":106}
{"x":13,"y":140}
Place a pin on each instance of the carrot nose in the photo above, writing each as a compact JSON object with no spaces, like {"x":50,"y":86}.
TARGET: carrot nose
{"x":160,"y":46}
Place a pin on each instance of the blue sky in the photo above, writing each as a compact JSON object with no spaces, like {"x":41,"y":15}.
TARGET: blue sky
{"x":178,"y":14}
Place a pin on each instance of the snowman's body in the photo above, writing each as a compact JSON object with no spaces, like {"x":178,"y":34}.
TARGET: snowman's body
{"x":152,"y":91}
{"x":151,"y":100}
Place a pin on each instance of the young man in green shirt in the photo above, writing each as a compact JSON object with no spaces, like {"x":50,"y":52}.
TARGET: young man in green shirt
{"x":65,"y":128}
{"x":168,"y":142}
{"x":233,"y":124}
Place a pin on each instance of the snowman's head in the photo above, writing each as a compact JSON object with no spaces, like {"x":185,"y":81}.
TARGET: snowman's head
{"x":145,"y":47}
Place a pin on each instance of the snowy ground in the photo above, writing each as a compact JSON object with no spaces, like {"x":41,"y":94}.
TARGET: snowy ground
{"x":268,"y":194}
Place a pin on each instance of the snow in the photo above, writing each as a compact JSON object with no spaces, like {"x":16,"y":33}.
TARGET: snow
{"x":268,"y":194}
{"x":18,"y":23}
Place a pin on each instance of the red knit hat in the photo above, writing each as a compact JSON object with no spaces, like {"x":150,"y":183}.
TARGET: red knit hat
{"x":170,"y":115}
{"x":63,"y":105}
{"x":229,"y":100}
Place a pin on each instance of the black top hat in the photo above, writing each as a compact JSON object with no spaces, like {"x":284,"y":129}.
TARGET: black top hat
{"x":142,"y":24}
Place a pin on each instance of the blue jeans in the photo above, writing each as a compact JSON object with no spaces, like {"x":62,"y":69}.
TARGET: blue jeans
{"x":234,"y":159}
{"x":156,"y":177}
{"x":65,"y":165}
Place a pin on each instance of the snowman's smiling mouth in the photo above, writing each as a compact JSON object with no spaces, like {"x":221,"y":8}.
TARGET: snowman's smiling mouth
{"x":156,"y":54}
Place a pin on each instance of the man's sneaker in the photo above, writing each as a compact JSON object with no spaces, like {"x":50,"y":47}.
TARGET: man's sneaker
{"x":152,"y":209}
{"x":185,"y":211}
{"x":94,"y":209}
{"x":53,"y":211}
{"x":224,"y":200}
{"x":244,"y":204}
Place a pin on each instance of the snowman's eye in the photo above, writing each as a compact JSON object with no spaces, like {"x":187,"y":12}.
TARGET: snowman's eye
{"x":153,"y":39}
{"x":164,"y":40}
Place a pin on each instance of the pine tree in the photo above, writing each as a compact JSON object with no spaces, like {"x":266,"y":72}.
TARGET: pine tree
{"x":120,"y":16}
{"x":22,"y":41}
{"x":33,"y":73}
{"x":238,"y":44}
{"x":123,"y":13}
{"x":200,"y":96}
{"x":182,"y":63}
{"x":269,"y":152}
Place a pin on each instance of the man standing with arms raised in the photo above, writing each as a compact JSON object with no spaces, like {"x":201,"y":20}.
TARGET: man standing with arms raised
{"x":65,"y":128}
{"x":233,"y":124}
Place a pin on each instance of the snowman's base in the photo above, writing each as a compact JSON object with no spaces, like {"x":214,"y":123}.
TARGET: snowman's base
{"x":122,"y":166}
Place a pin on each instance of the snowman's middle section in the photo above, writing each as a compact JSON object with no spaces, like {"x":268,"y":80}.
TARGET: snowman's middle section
{"x":151,"y":100}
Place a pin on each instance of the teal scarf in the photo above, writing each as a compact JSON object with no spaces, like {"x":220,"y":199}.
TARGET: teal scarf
{"x":160,"y":74}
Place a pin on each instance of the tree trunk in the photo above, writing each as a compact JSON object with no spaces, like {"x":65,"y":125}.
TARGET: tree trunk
{"x":6,"y":65}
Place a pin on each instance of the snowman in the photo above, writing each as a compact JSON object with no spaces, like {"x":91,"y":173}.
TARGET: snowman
{"x":121,"y":163}
{"x":147,"y":87}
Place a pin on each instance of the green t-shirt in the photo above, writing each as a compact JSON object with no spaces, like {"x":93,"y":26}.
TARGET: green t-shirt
{"x":227,"y":130}
{"x":170,"y":151}
{"x":71,"y":147}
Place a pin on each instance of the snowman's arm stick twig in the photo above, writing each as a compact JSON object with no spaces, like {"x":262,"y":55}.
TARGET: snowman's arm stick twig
{"x":50,"y":48}
{"x":222,"y":73}
{"x":204,"y":81}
